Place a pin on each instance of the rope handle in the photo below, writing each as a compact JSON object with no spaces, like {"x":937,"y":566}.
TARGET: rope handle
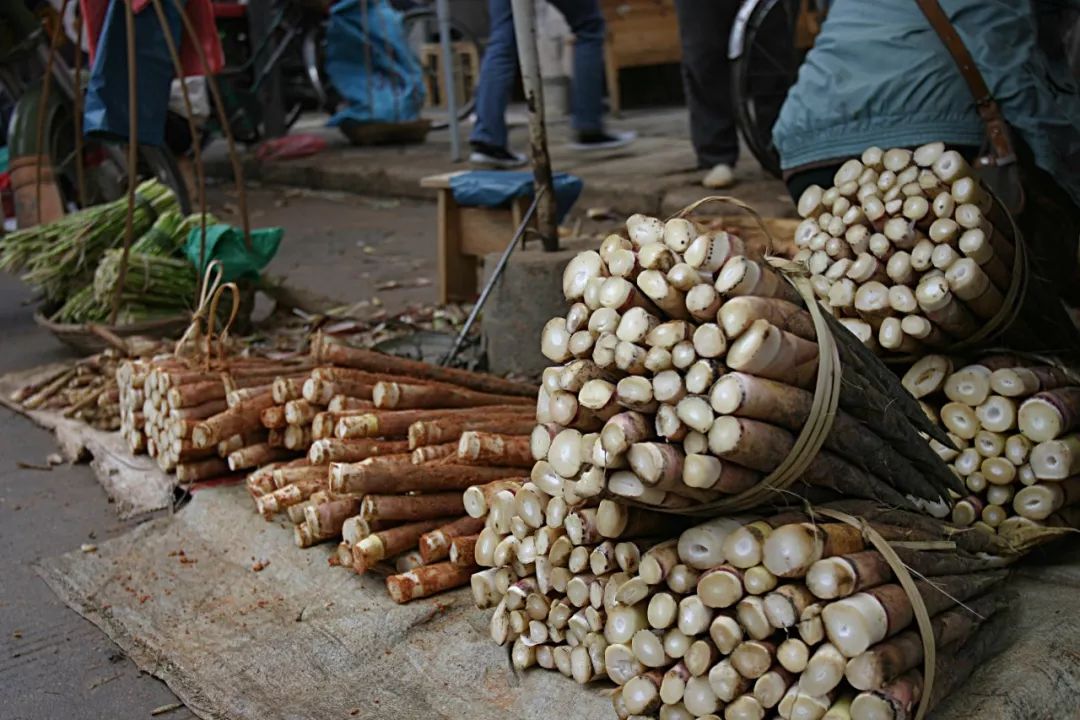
{"x":918,"y":605}
{"x":223,"y":336}
{"x":736,"y":202}
{"x":211,"y":281}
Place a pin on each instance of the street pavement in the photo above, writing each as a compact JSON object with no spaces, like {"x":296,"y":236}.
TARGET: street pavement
{"x":53,"y":664}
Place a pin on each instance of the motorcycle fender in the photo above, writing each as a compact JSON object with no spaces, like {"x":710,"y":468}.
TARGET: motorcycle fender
{"x":737,"y":39}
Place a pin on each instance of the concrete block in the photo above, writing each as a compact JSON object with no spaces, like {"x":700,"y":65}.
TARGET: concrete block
{"x":526,"y":297}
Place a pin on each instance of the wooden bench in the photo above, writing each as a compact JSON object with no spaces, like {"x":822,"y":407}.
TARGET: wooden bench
{"x":466,"y":233}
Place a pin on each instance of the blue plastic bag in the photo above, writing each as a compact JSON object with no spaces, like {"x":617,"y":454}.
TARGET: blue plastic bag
{"x":392,"y":88}
{"x":106,"y":111}
{"x":495,"y":188}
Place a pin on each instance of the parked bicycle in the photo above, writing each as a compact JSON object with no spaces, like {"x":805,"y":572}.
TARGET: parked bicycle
{"x":23,"y":61}
{"x":768,"y":43}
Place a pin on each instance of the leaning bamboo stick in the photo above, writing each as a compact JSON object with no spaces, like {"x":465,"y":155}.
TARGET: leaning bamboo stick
{"x":387,"y":474}
{"x":395,"y":423}
{"x":427,"y":580}
{"x":371,"y":361}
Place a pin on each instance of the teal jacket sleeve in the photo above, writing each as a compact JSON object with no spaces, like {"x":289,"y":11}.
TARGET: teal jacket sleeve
{"x":879,"y":75}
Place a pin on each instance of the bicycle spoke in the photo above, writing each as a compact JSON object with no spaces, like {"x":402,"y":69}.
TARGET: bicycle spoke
{"x":760,"y":51}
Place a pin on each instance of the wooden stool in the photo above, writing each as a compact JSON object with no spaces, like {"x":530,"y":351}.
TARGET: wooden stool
{"x":466,"y":233}
{"x":463,"y":54}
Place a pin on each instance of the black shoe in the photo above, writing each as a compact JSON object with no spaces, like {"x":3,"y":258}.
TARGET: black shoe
{"x":603,"y":140}
{"x":494,"y":156}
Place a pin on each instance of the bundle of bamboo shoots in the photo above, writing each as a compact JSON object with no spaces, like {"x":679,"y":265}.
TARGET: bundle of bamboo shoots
{"x":686,"y":372}
{"x":61,"y":257}
{"x":85,"y":390}
{"x":131,"y":382}
{"x":747,"y":617}
{"x":908,"y":249}
{"x":163,"y":400}
{"x":391,"y":445}
{"x":1014,"y":426}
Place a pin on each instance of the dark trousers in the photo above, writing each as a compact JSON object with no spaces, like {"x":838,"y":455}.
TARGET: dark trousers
{"x":704,"y":27}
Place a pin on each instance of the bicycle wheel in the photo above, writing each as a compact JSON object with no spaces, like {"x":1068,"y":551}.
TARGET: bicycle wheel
{"x":422,"y":34}
{"x":763,"y":73}
{"x":105,"y":165}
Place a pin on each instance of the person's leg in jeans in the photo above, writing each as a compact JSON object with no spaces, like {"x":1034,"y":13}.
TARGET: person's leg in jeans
{"x":587,"y":23}
{"x":704,"y":27}
{"x":497,"y":74}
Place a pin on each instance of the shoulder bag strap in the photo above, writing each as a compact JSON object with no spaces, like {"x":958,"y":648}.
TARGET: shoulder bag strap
{"x":997,"y":129}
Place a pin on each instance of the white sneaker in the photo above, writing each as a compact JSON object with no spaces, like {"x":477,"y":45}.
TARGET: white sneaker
{"x":721,"y":176}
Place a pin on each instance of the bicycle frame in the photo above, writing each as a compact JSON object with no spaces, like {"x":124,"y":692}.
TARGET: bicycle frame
{"x":261,"y":72}
{"x":737,"y":39}
{"x":63,"y":82}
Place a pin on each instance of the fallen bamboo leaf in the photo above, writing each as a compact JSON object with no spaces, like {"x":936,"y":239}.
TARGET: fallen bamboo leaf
{"x":98,"y":683}
{"x":599,"y":213}
{"x":32,"y":466}
{"x":396,"y":284}
{"x":162,"y":709}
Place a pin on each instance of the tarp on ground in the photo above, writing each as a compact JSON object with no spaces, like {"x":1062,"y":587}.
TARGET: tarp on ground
{"x":134,"y":483}
{"x":300,"y":639}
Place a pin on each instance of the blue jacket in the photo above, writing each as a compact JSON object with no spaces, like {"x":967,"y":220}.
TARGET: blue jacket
{"x":878,"y":74}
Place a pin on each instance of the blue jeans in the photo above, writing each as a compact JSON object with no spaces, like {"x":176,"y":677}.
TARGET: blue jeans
{"x":500,"y":66}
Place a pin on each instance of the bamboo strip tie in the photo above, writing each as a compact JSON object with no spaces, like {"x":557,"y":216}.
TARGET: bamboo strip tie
{"x":1010,"y":307}
{"x":918,"y":606}
{"x":826,"y":391}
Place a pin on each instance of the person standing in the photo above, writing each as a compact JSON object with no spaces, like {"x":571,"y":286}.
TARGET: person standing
{"x":499,"y":68}
{"x":704,"y":27}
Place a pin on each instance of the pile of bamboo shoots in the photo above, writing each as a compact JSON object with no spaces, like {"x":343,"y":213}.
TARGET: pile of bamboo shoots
{"x":907,"y":249}
{"x":686,"y":371}
{"x":779,"y":615}
{"x":1014,"y":424}
{"x":164,"y":399}
{"x":85,"y":391}
{"x":389,"y":445}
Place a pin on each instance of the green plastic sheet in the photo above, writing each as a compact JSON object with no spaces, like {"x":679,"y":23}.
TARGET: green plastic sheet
{"x":225,"y":243}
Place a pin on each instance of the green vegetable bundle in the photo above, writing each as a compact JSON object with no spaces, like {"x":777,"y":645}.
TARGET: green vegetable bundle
{"x":169,"y":233}
{"x":61,"y":257}
{"x":157,"y":283}
{"x":150,"y":280}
